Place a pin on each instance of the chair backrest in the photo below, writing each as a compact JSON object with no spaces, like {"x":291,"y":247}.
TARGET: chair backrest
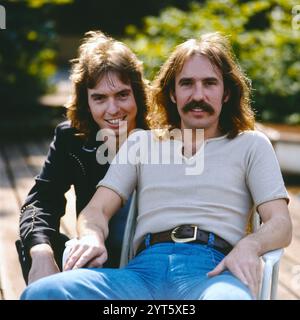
{"x":127,"y":249}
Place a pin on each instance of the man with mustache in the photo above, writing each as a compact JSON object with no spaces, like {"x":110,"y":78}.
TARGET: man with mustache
{"x":198,"y":105}
{"x":190,"y":241}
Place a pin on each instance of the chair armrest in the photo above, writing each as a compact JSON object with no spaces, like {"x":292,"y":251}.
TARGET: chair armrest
{"x":270,"y":274}
{"x":273,"y":256}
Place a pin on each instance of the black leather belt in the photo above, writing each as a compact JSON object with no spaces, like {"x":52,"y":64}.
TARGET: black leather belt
{"x":188,"y":234}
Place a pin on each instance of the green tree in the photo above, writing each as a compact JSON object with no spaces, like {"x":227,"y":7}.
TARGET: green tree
{"x":264,"y":42}
{"x":27,"y":53}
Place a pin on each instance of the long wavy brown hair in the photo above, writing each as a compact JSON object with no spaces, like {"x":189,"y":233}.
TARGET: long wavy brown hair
{"x":236,"y":115}
{"x":98,"y":55}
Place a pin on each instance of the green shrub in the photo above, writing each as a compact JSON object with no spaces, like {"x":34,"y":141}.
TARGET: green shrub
{"x":27,"y":54}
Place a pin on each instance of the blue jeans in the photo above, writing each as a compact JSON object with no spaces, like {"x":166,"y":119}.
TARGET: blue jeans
{"x":164,"y":271}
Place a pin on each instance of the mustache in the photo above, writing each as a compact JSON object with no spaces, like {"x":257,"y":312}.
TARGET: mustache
{"x":198,"y":104}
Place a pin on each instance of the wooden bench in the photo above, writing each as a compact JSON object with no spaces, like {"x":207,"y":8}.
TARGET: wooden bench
{"x":20,"y":162}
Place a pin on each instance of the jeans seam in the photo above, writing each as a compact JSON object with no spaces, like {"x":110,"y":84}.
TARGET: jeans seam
{"x":212,"y":256}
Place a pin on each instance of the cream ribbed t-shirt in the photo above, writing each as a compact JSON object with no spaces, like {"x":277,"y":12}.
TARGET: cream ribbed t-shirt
{"x":236,"y":175}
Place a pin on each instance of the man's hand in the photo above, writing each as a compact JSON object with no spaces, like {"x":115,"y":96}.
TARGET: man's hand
{"x":243,"y":262}
{"x":89,"y":252}
{"x":43,"y":262}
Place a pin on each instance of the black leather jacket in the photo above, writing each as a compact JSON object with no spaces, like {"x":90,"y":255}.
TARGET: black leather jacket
{"x":70,"y":161}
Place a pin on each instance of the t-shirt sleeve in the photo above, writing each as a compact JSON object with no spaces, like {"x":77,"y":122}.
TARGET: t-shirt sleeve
{"x":264,"y":176}
{"x":122,"y":175}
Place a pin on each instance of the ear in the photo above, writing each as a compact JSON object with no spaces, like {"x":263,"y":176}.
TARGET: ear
{"x":226,"y":95}
{"x":172,"y":96}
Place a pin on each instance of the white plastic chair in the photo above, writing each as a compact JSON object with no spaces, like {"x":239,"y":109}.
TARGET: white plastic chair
{"x":127,"y":248}
{"x":271,"y":259}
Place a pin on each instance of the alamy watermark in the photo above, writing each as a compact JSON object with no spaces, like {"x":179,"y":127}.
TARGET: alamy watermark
{"x":296,"y":17}
{"x":175,"y":147}
{"x":2,"y":17}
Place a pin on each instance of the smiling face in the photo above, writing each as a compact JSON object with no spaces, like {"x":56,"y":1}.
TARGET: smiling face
{"x":199,"y":95}
{"x":112,"y":104}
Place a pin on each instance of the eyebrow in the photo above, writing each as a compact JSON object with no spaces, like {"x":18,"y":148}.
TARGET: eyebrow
{"x":210,"y":79}
{"x":185,"y":79}
{"x":203,"y":79}
{"x":97,"y":95}
{"x":124,"y":91}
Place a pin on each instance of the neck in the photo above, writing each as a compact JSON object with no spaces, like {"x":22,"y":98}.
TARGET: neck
{"x":208,"y":135}
{"x":194,"y":138}
{"x":192,"y":141}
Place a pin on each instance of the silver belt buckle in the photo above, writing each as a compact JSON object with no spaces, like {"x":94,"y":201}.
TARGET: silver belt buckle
{"x":178,"y":240}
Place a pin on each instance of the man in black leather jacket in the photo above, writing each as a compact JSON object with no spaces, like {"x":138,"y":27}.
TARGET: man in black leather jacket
{"x":108,"y":91}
